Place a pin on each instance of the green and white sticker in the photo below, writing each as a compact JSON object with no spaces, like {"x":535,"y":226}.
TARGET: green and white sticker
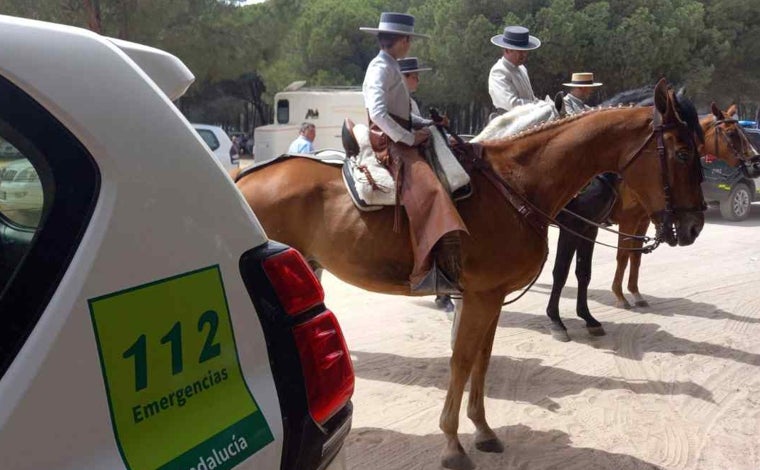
{"x":172,"y":375}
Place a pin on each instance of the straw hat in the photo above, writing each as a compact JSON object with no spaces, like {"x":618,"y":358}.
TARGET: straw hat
{"x":583,"y":79}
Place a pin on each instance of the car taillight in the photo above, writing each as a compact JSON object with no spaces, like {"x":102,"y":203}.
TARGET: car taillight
{"x":327,"y":369}
{"x":294,"y":282}
{"x":709,"y":158}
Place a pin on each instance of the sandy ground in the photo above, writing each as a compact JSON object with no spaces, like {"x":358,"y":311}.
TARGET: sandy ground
{"x":672,"y":386}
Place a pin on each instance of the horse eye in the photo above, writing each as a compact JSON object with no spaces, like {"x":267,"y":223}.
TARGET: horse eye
{"x":683,"y":156}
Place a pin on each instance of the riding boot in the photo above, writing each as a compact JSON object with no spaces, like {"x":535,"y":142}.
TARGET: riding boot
{"x":443,"y":277}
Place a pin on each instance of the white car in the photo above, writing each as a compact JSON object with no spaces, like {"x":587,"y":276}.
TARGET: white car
{"x":142,"y":327}
{"x":218,"y":142}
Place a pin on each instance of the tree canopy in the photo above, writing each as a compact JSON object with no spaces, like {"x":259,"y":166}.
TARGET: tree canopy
{"x":242,"y":55}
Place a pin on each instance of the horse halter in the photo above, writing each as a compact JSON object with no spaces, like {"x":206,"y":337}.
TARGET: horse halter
{"x":667,"y":214}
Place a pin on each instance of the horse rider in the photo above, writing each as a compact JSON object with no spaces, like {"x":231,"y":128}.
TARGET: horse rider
{"x":410,"y":69}
{"x":434,"y":223}
{"x":582,"y":86}
{"x":508,"y":81}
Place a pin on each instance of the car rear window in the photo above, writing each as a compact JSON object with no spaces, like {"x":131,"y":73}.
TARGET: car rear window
{"x":209,"y":138}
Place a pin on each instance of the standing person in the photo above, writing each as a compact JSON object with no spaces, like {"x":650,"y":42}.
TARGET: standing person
{"x":411,"y":69}
{"x":508,"y":82}
{"x":434,"y":222}
{"x":582,"y":86}
{"x":304,"y":143}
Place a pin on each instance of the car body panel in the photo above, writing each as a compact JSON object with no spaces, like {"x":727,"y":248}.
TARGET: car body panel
{"x":53,"y":393}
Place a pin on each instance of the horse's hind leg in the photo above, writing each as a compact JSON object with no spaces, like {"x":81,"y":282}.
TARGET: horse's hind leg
{"x":485,"y":438}
{"x":622,"y":263}
{"x":478,"y":312}
{"x":583,"y":273}
{"x":566,"y":246}
{"x":633,"y":272}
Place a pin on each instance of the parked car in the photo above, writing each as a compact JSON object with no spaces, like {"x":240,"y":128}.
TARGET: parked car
{"x":8,"y":151}
{"x":20,"y":192}
{"x":143,"y":327}
{"x":728,"y":187}
{"x":219,"y":142}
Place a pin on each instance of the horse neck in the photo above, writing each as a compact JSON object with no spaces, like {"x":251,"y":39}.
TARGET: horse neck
{"x":550,"y":165}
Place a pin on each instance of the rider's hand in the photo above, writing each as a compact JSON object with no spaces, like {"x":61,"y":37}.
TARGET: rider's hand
{"x":444,"y":121}
{"x":421,"y":135}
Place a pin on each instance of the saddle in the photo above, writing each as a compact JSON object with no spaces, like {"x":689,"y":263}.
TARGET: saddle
{"x":369,"y":182}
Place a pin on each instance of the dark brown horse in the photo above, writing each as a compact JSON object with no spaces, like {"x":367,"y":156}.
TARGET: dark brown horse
{"x":725,"y":140}
{"x":303,"y":203}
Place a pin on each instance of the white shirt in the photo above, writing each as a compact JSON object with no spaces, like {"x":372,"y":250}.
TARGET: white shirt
{"x":385,"y":93}
{"x":417,"y":120}
{"x":509,"y":85}
{"x":573,"y":105}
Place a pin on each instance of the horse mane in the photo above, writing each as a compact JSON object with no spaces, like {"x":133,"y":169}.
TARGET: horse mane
{"x":549,"y":125}
{"x":688,"y":113}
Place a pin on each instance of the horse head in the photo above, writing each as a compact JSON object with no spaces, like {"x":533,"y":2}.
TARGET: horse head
{"x":725,"y":139}
{"x":668,"y":184}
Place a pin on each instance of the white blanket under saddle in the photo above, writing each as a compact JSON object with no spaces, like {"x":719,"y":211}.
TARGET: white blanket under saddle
{"x":374,"y":184}
{"x":519,"y":119}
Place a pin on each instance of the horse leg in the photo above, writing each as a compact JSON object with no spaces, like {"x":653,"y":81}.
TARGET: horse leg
{"x":583,"y":273}
{"x":566,"y":247}
{"x":633,"y":272}
{"x":478,"y":312}
{"x":622,"y":263}
{"x":485,"y":438}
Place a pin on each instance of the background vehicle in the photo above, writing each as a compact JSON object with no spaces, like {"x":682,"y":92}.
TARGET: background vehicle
{"x":728,"y":187}
{"x":326,"y":107}
{"x":219,"y":142}
{"x":20,"y":192}
{"x":143,"y":327}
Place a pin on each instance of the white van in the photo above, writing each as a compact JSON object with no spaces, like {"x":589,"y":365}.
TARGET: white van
{"x":325,"y":107}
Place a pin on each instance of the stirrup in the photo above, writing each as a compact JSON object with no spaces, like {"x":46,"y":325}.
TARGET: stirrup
{"x":435,"y":282}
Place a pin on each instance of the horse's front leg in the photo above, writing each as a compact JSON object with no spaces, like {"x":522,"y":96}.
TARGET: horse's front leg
{"x":485,"y":438}
{"x":633,"y":272}
{"x":477,"y":314}
{"x":566,"y":246}
{"x":583,"y":273}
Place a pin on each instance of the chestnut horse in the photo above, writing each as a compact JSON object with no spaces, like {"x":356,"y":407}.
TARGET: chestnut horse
{"x":723,"y":139}
{"x":304,"y":203}
{"x":597,"y":203}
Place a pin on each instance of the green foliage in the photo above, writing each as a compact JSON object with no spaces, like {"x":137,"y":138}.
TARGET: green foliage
{"x":706,"y":45}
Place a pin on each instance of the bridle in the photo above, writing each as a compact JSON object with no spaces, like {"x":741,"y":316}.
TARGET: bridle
{"x":668,"y":213}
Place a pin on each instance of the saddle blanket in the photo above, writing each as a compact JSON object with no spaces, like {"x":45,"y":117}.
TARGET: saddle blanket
{"x":371,"y":185}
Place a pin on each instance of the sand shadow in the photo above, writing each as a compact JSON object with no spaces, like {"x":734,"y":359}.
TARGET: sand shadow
{"x":666,"y":306}
{"x":627,"y":340}
{"x":526,"y":448}
{"x":501,"y":384}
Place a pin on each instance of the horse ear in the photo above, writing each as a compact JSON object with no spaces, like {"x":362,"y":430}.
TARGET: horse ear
{"x":716,"y":112}
{"x":731,"y":111}
{"x":661,"y":96}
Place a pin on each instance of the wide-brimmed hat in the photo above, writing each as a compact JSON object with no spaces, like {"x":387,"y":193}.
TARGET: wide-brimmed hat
{"x":395,"y":23}
{"x":518,"y":38}
{"x":411,"y":64}
{"x":582,"y":79}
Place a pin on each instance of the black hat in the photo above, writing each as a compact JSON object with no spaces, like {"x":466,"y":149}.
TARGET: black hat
{"x":410,"y":64}
{"x":395,"y":23}
{"x":516,"y":37}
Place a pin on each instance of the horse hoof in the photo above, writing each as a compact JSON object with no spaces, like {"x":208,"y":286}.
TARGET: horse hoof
{"x":623,"y":304}
{"x":642,"y":303}
{"x":457,"y":461}
{"x":492,"y":445}
{"x":560,"y":335}
{"x":596,"y":330}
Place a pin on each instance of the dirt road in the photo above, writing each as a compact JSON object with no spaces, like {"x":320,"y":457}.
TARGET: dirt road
{"x":672,"y":386}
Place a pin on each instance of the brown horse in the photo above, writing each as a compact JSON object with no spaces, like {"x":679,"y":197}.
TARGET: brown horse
{"x":723,"y":139}
{"x":303,"y":203}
